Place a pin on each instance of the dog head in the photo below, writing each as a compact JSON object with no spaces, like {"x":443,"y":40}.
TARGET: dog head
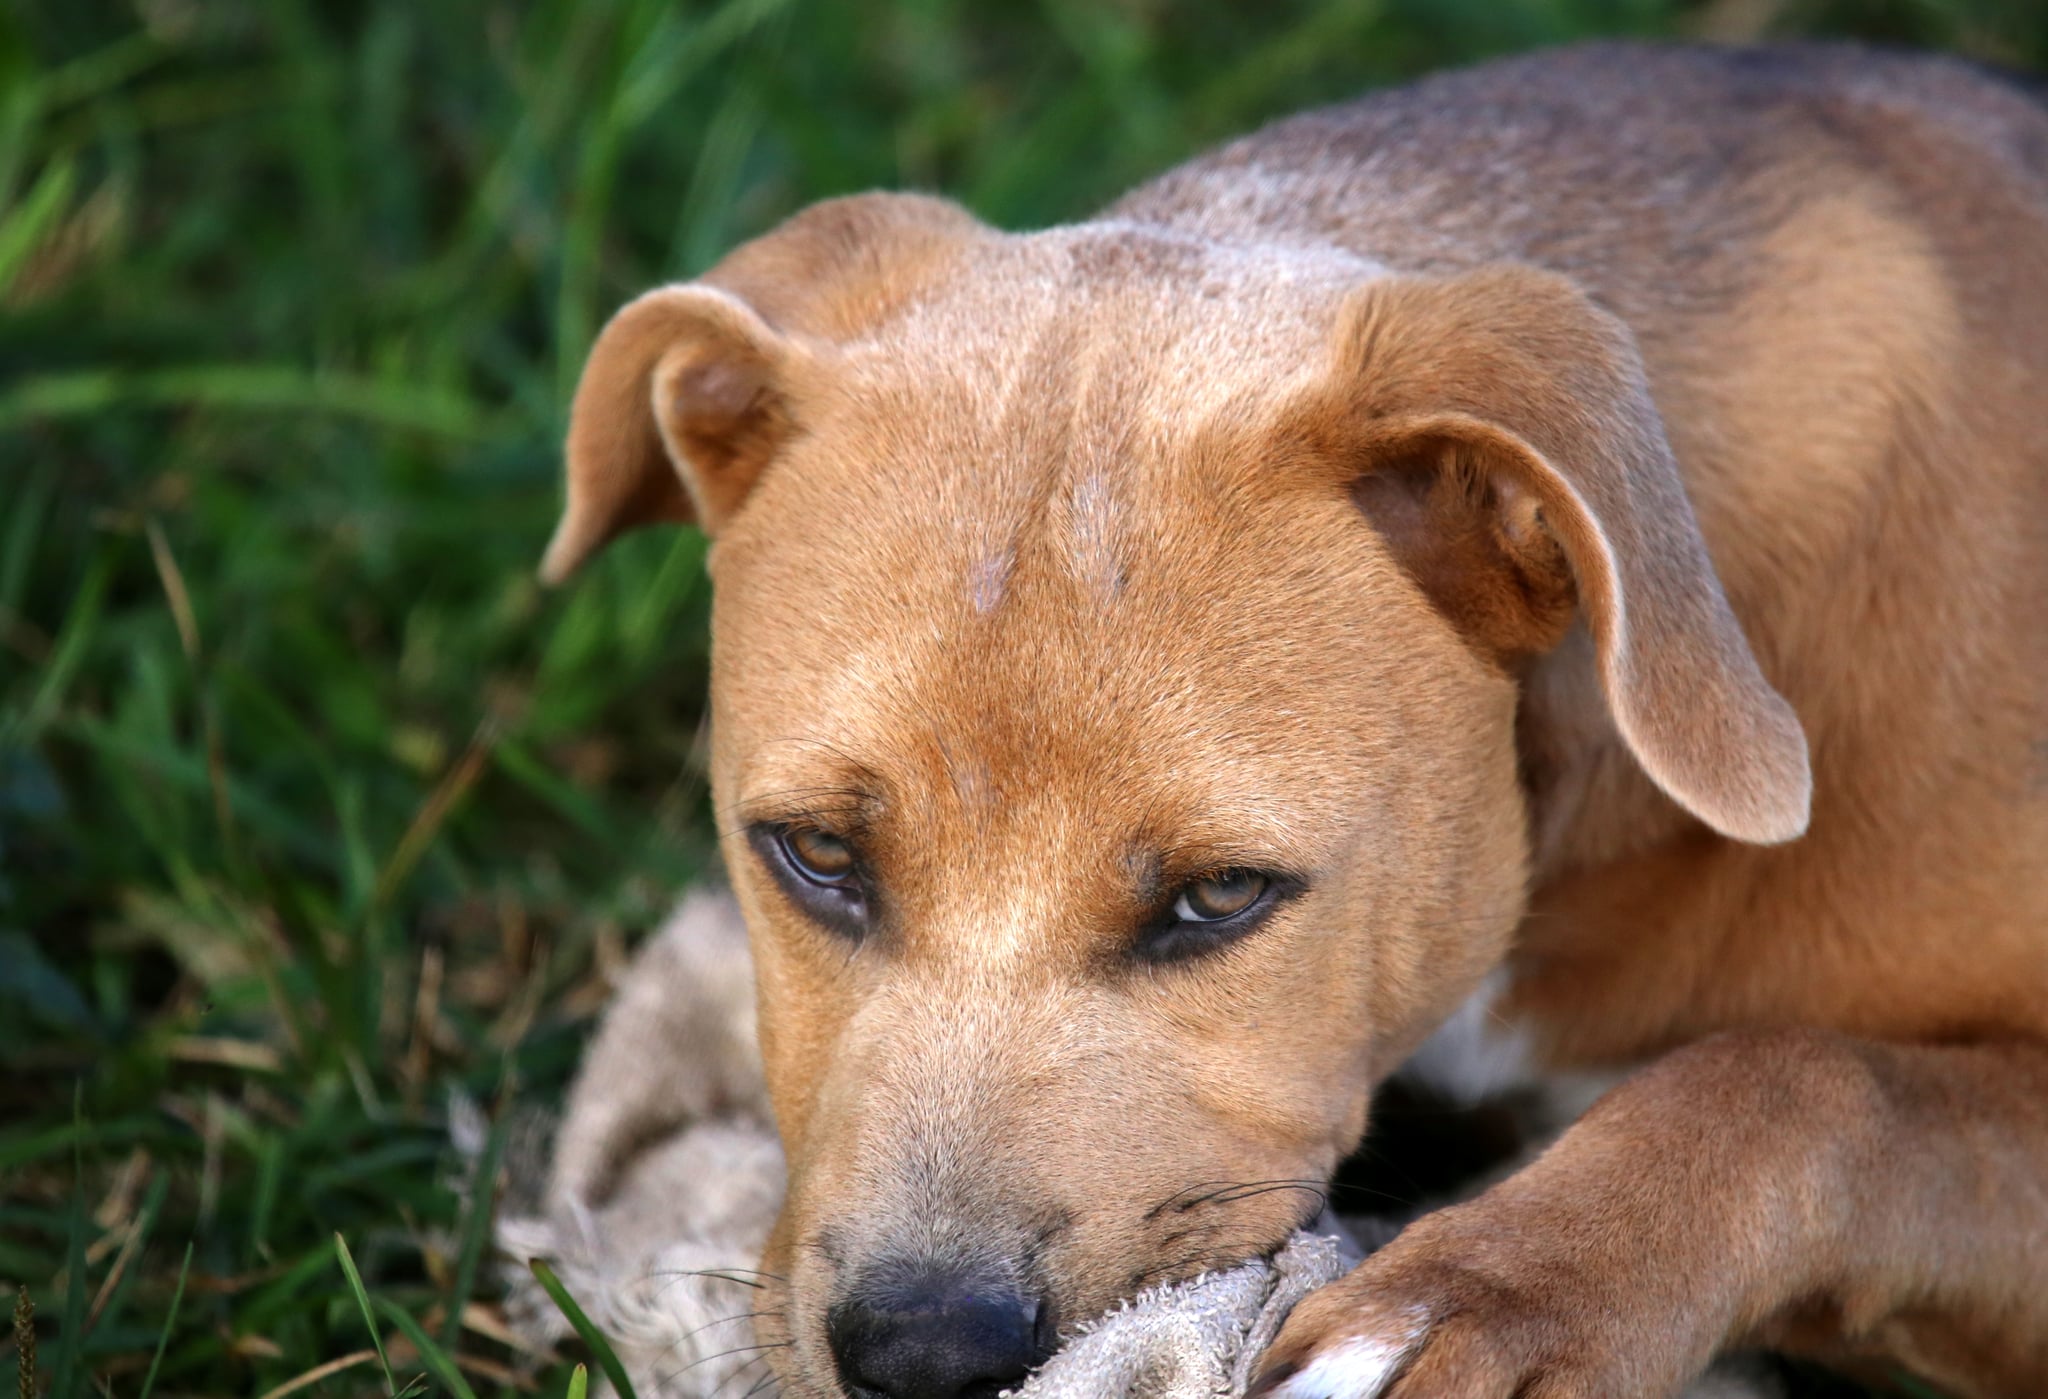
{"x":1116,"y":656}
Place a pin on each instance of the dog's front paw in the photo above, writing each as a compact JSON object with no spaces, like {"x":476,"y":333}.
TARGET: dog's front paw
{"x":1360,"y":1353}
{"x":1454,"y":1312}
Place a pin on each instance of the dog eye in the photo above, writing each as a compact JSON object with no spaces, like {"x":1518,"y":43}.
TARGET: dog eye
{"x":1212,"y":912}
{"x":1222,"y":895}
{"x":817,"y":856}
{"x":820,"y":873}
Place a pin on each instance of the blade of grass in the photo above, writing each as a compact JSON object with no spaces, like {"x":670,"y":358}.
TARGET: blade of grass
{"x":355,"y":1285}
{"x":436,"y":1359}
{"x":163,"y":1338}
{"x":94,"y":73}
{"x":24,"y":1148}
{"x":476,"y":1229}
{"x":601,"y":1349}
{"x":80,"y":624}
{"x":579,"y":1383}
{"x":319,"y":1373}
{"x":287,"y":1292}
{"x":27,"y":513}
{"x":434,"y":811}
{"x":256,"y":387}
{"x":189,"y":772}
{"x":32,"y":221}
{"x":567,"y":800}
{"x":269,"y":1174}
{"x":106,"y":1303}
{"x":71,"y":1327}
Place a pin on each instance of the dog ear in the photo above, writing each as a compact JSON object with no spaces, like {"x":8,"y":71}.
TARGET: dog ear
{"x":690,"y":390}
{"x":681,"y":403}
{"x":1519,"y":471}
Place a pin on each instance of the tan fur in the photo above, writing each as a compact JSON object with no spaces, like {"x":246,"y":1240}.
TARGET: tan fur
{"x":1451,"y":498}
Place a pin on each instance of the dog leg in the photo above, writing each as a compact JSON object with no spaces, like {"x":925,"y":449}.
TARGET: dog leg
{"x":1849,"y":1199}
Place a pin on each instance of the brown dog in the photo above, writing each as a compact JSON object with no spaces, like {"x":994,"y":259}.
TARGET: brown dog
{"x":1163,"y":665}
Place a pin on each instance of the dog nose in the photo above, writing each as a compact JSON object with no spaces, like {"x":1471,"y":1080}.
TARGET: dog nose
{"x":935,"y":1337}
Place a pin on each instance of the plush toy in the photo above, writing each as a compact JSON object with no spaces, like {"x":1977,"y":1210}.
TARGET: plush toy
{"x":666,"y":1177}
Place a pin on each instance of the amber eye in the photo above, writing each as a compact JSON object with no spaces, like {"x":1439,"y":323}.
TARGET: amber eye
{"x":817,"y":856}
{"x":1224,"y":894}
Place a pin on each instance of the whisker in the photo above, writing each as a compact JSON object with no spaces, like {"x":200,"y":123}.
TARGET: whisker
{"x":737,"y":1372}
{"x":1203,"y":1241}
{"x":1213,"y":1259}
{"x":1250,"y":1192}
{"x":720,"y":1355}
{"x":1228,"y":1192}
{"x":1174,"y":1199}
{"x":722,"y":1321}
{"x":721,"y":1274}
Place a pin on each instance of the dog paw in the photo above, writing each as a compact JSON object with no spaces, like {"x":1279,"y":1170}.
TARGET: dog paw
{"x":1363,"y":1362}
{"x":1446,"y":1313}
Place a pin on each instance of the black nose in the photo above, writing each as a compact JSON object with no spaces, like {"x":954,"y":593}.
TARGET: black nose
{"x":935,"y":1336}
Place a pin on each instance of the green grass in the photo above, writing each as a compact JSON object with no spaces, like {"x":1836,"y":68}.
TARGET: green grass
{"x":600,"y":1348}
{"x":314,"y":808}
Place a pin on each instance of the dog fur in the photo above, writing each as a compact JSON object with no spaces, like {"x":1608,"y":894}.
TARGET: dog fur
{"x":1580,"y":523}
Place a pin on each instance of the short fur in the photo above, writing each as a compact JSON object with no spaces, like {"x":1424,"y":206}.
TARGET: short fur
{"x":1480,"y":501}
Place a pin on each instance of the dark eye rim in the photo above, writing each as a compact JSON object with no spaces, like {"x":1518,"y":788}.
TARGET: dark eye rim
{"x":839,"y":904}
{"x":1167,"y":939}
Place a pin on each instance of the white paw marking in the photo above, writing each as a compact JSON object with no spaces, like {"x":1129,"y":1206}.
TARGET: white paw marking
{"x":1359,"y":1368}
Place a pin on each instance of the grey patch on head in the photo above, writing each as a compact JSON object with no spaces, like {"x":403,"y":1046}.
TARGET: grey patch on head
{"x":1117,"y":251}
{"x":973,"y":783}
{"x":1096,"y":516}
{"x":988,"y":579}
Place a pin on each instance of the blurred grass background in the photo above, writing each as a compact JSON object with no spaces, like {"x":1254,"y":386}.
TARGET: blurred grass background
{"x":314,"y":809}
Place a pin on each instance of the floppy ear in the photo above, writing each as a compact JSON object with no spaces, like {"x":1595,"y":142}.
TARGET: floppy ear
{"x":1519,"y":471}
{"x":691,"y":390}
{"x":683,"y":400}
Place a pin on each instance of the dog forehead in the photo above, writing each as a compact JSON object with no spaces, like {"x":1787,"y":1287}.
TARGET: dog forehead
{"x":1040,"y":543}
{"x":1125,"y":661}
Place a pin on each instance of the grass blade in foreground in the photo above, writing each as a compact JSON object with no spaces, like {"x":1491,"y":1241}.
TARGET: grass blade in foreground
{"x":435,"y":1358}
{"x":170,"y":1324}
{"x":355,"y":1284}
{"x":600,"y":1348}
